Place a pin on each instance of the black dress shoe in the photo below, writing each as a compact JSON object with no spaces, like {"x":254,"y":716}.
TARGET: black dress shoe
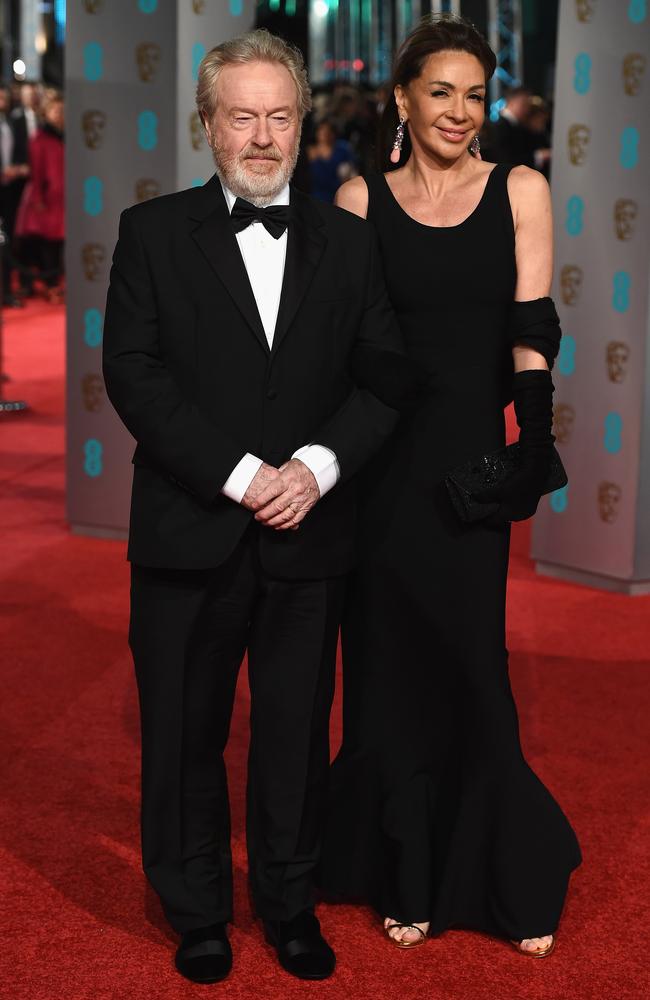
{"x":205,"y":955}
{"x":12,"y":302}
{"x":302,"y":949}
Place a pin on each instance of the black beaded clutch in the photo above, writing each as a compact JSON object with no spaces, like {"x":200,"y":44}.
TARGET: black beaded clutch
{"x":493,"y":470}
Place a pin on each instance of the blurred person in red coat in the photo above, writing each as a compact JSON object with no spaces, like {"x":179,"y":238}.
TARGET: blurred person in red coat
{"x":41,"y":213}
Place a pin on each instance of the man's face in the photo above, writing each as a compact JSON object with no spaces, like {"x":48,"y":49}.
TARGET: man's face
{"x":28,"y":96}
{"x":255,"y":130}
{"x":520,"y":106}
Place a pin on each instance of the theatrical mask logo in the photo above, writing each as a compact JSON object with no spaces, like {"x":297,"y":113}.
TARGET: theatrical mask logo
{"x":579,"y":136}
{"x":609,"y":496}
{"x":147,"y":56}
{"x":633,"y":69}
{"x":93,"y":6}
{"x":198,"y":6}
{"x":92,"y":392}
{"x":585,"y":10}
{"x":93,"y":123}
{"x":570,"y":283}
{"x":93,"y":256}
{"x":146,"y":188}
{"x":625,"y":213}
{"x":197,"y":135}
{"x":618,"y":354}
{"x":563,"y":419}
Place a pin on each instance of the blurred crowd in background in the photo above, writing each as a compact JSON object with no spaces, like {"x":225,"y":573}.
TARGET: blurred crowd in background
{"x":339,"y":142}
{"x":32,"y":185}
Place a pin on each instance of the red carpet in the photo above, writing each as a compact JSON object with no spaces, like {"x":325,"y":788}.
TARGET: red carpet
{"x":77,"y":919}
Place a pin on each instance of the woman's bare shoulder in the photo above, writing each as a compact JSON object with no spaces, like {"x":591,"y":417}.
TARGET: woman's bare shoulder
{"x":528,"y":183}
{"x":353,"y":197}
{"x":530,"y":194}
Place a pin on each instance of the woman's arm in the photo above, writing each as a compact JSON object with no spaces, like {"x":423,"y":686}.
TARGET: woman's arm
{"x":530,"y":198}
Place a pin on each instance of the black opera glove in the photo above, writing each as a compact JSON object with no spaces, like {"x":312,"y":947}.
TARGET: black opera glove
{"x":520,"y":495}
{"x":536,"y":324}
{"x":393,"y":378}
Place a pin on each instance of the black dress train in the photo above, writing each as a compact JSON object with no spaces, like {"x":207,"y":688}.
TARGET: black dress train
{"x":434,"y":813}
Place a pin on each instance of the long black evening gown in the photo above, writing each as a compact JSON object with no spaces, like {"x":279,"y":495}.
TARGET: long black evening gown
{"x":435,"y":815}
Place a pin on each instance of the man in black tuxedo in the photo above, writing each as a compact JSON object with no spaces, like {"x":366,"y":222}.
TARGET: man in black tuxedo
{"x":233,"y":314}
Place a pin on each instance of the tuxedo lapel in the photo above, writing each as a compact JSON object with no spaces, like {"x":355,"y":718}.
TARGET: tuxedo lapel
{"x":216,"y":240}
{"x":305,"y":244}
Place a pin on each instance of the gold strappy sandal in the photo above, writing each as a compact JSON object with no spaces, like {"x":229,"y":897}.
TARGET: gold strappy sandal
{"x":405,"y":944}
{"x":542,"y":953}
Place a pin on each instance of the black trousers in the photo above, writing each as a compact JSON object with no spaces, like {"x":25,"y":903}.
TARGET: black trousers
{"x":189,"y":631}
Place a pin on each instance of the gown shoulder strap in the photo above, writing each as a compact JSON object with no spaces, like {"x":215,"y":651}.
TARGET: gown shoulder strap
{"x":497,"y":196}
{"x":376,"y":194}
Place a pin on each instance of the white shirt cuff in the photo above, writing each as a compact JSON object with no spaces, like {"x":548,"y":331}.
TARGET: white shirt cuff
{"x":241,"y":477}
{"x":322,"y":462}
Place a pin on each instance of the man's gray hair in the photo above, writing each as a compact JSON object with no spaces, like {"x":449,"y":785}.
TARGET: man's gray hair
{"x":254,"y":46}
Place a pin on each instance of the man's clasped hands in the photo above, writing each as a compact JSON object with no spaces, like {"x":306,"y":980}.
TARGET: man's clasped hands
{"x":282,"y":498}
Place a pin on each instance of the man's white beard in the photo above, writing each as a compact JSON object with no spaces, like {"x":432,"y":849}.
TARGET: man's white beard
{"x":259,"y":189}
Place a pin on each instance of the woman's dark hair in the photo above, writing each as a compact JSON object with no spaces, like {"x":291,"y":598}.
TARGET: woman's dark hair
{"x":434,"y":33}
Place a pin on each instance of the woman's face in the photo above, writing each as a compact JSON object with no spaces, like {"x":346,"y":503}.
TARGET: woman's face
{"x":325,"y":134}
{"x":54,"y":114}
{"x":445,"y":105}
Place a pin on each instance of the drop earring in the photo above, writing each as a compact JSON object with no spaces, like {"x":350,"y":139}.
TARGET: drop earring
{"x":475,"y":146}
{"x":396,"y":151}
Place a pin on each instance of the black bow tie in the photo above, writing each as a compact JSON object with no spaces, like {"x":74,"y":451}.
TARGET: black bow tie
{"x":275,"y":218}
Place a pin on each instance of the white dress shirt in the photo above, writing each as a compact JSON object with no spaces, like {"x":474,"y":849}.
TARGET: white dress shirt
{"x":31,"y":121}
{"x":264,"y":259}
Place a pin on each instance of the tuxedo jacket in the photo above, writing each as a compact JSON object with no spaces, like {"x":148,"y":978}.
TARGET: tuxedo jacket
{"x":188,"y":368}
{"x":18,"y":124}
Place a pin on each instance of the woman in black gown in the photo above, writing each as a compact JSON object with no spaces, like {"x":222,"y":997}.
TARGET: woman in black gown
{"x":436,"y":818}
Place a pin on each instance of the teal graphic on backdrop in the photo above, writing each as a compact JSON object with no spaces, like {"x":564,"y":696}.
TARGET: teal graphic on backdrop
{"x":93,"y":196}
{"x":93,"y":327}
{"x":566,"y":361}
{"x":613,"y":429}
{"x":147,"y":6}
{"x":629,"y":155}
{"x":637,"y":11}
{"x":560,"y":500}
{"x":93,"y":458}
{"x":147,"y":130}
{"x":198,"y":51}
{"x":575,"y":207}
{"x":93,"y":59}
{"x":621,"y":294}
{"x":582,"y":76}
{"x":236,"y":8}
{"x":197,"y":182}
